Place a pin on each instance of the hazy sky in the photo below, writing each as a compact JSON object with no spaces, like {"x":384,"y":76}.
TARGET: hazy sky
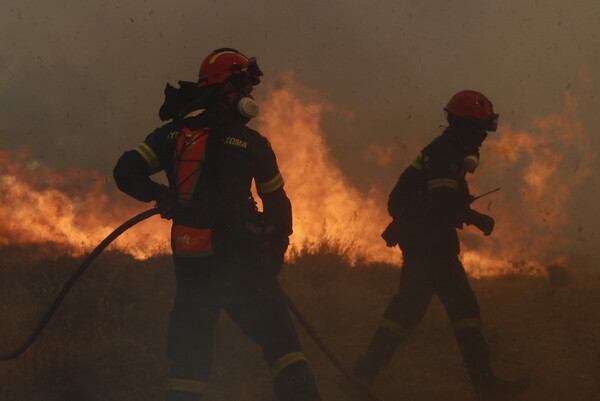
{"x":82,"y":81}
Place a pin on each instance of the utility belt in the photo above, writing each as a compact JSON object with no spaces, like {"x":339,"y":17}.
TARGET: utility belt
{"x":260,"y":230}
{"x":191,"y":242}
{"x":191,"y":237}
{"x":268,"y":246}
{"x":403,"y":226}
{"x":191,"y":234}
{"x":420,"y":236}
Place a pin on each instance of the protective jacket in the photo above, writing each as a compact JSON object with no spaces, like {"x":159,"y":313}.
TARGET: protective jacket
{"x":431,"y":198}
{"x":210,"y":161}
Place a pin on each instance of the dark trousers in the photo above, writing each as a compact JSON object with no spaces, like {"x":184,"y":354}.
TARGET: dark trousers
{"x":250,"y":294}
{"x":424,"y":274}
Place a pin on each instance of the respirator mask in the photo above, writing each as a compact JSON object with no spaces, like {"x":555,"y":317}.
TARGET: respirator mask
{"x":248,"y":107}
{"x":470,"y":163}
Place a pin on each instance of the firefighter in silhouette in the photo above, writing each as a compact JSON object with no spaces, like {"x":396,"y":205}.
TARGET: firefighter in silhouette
{"x":429,"y":202}
{"x":226,"y":254}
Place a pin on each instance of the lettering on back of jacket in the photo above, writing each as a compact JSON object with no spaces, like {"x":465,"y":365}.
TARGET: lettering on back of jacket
{"x":236,"y":142}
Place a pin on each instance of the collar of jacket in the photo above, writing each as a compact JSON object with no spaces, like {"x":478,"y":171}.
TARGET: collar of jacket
{"x":469,"y":139}
{"x":222,"y":112}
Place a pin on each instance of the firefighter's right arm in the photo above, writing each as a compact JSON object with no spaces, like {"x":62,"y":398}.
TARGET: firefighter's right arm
{"x":276,"y":205}
{"x":278,"y":209}
{"x":482,"y":221}
{"x":132,"y":174}
{"x":269,"y":185}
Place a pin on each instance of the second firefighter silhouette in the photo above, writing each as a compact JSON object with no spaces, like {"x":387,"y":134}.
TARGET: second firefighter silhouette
{"x":219,"y":240}
{"x":429,"y":202}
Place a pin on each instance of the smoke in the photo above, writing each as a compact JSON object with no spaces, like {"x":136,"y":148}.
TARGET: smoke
{"x":82,"y":82}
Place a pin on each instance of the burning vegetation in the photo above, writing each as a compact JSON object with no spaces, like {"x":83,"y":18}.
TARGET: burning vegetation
{"x":107,"y":341}
{"x":339,"y":271}
{"x":538,"y":169}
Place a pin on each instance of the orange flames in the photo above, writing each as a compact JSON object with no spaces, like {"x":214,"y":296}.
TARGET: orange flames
{"x":71,"y":208}
{"x":327,"y":208}
{"x":537,"y":169}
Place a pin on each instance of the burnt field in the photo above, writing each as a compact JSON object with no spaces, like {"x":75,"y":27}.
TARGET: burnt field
{"x":107,"y":340}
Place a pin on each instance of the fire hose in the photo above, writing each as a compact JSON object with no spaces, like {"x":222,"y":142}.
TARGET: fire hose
{"x":80,"y":270}
{"x":366,"y":390}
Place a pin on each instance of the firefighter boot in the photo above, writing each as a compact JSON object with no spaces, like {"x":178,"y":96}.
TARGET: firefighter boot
{"x":296,"y":383}
{"x":184,"y":390}
{"x":489,"y":387}
{"x":379,"y":354}
{"x":172,"y":395}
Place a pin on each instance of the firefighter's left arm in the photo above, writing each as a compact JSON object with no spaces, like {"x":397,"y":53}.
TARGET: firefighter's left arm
{"x":482,"y":221}
{"x":446,"y":199}
{"x":132,"y":176}
{"x":134,"y":168}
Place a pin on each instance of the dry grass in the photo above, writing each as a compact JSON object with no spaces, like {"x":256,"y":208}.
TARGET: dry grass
{"x":107,"y":340}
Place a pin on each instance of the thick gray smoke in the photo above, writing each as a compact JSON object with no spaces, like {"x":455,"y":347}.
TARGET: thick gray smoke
{"x":82,"y":81}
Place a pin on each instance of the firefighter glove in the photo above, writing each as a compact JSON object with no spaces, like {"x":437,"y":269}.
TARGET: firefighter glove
{"x":277,"y":248}
{"x":166,"y":203}
{"x":280,"y":246}
{"x":391,"y":234}
{"x":482,"y":221}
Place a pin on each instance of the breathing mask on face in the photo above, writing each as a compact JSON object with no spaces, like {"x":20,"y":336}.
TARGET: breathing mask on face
{"x":470,"y":163}
{"x":247,"y":107}
{"x":243,"y":102}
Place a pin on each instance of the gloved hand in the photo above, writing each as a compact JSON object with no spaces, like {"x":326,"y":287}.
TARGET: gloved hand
{"x":482,"y":221}
{"x":278,"y":246}
{"x":391,"y":234}
{"x":166,"y":203}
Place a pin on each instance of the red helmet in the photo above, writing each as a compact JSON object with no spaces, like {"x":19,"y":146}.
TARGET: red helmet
{"x":472,"y":104}
{"x":224,"y":63}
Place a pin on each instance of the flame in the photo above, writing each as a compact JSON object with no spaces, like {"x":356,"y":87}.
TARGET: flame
{"x":327,"y":208}
{"x":538,"y":169}
{"x":68,"y":207}
{"x":531,"y":166}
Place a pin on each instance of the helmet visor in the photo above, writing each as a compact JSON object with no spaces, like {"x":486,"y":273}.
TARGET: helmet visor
{"x":252,"y":71}
{"x":492,"y":122}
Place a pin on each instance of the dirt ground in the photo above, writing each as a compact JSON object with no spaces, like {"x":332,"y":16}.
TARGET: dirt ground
{"x":107,"y":340}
